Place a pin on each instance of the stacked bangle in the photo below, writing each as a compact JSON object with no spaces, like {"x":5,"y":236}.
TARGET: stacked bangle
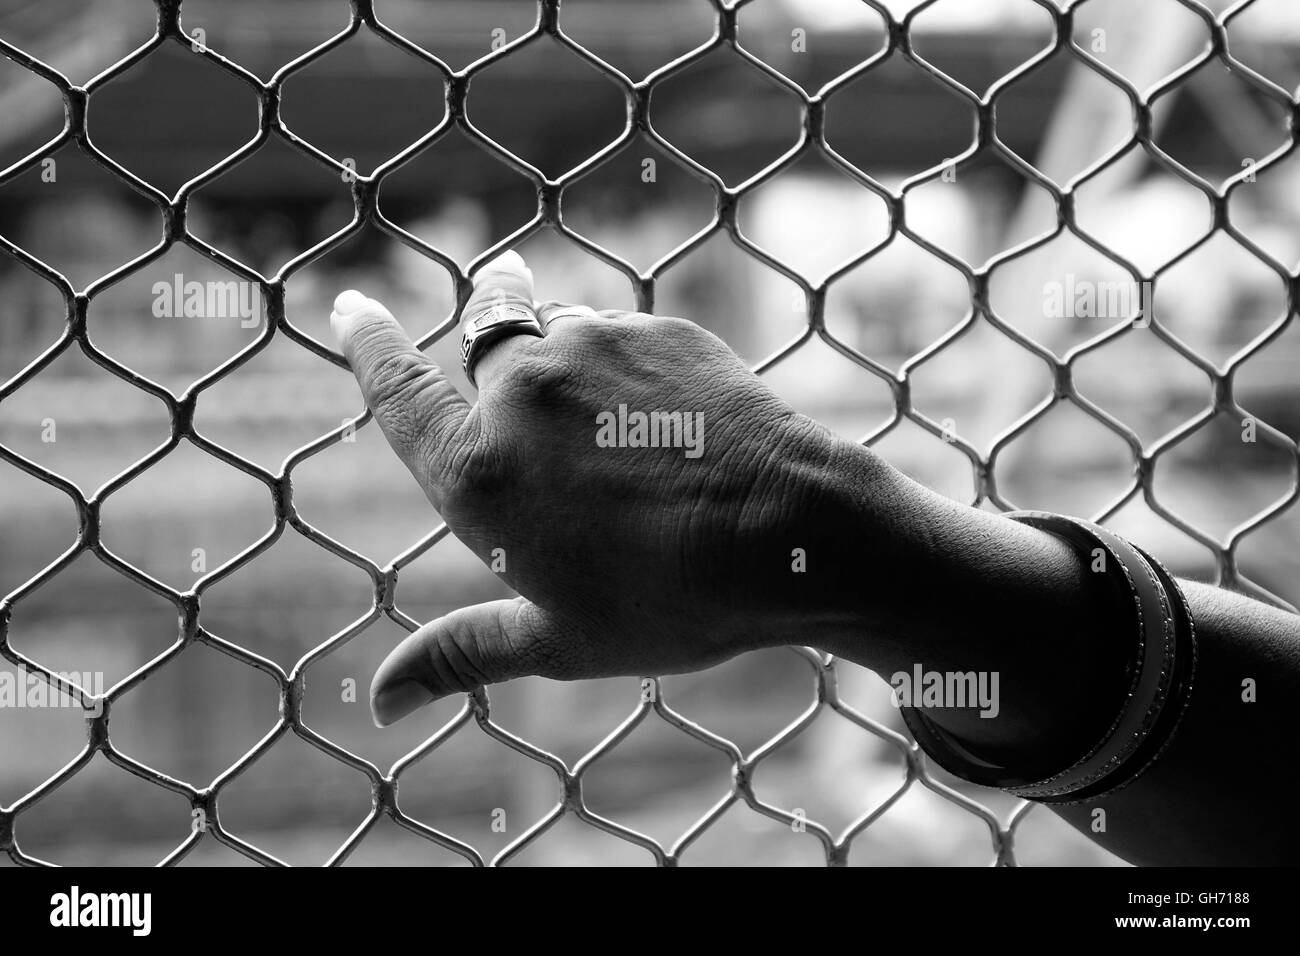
{"x":1160,"y":665}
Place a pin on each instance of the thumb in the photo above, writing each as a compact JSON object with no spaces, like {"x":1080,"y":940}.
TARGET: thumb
{"x":482,"y":644}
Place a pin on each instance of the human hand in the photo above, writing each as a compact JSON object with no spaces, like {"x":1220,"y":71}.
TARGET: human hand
{"x":628,"y":560}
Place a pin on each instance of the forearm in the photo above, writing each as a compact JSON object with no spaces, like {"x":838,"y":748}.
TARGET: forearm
{"x":960,"y":590}
{"x":1221,"y":794}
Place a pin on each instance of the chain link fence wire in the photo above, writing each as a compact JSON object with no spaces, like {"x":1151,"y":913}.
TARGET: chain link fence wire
{"x":477,"y":708}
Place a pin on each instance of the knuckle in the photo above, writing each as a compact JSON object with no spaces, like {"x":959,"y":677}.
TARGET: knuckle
{"x":535,"y":647}
{"x":468,"y":654}
{"x":451,"y":659}
{"x":473,"y":461}
{"x":406,"y":398}
{"x":477,"y":472}
{"x":684,"y":329}
{"x":436,"y":455}
{"x":576,"y":343}
{"x":540,"y":376}
{"x":368,"y":331}
{"x":398,"y":376}
{"x":690,"y":338}
{"x":610,"y":334}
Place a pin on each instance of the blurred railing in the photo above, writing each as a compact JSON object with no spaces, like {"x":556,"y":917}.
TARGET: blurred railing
{"x":651,"y":703}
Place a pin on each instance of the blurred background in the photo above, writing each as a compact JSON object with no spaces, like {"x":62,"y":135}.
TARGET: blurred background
{"x":174,"y":115}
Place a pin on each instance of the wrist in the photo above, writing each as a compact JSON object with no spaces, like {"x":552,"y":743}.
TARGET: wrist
{"x":947,"y":588}
{"x":841,"y":549}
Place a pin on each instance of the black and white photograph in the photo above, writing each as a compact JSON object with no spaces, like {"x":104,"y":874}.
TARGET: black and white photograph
{"x":671,"y":433}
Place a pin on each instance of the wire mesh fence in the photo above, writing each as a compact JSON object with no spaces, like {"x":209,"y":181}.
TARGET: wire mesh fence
{"x":653,"y":703}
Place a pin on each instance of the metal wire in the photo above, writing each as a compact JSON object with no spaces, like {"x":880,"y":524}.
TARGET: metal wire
{"x":637,"y":94}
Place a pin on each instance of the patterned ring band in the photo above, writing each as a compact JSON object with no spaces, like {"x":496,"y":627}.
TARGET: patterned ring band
{"x":491,"y":325}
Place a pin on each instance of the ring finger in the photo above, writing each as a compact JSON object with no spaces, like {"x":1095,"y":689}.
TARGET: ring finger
{"x":498,"y":321}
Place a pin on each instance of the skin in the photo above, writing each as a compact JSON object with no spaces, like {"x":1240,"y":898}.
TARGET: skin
{"x":633,"y":561}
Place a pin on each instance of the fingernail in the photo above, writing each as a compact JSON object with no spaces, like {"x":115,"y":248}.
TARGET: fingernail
{"x":509,"y":262}
{"x":347,"y":305}
{"x":397,"y":700}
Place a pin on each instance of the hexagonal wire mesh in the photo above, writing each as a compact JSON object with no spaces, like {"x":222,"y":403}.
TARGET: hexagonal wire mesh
{"x":477,"y":707}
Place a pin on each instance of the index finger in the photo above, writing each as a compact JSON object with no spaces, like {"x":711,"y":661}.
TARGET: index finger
{"x":417,"y":408}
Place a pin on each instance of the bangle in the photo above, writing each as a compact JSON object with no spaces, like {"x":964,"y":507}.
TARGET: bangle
{"x":1160,"y":664}
{"x":1183,"y":669}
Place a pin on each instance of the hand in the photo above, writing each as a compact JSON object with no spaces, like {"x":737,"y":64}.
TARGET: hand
{"x":628,"y":560}
{"x":647,"y":560}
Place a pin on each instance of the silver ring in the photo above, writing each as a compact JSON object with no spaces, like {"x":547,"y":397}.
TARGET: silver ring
{"x":492,"y":324}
